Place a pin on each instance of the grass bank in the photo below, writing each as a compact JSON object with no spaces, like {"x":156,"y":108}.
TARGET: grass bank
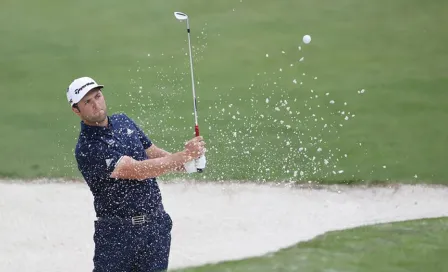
{"x":412,"y":246}
{"x":266,"y":113}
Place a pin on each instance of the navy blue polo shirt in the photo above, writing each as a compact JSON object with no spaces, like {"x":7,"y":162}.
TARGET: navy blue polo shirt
{"x":97,"y":152}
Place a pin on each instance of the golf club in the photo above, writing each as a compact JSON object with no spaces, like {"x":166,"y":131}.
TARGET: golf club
{"x":184,"y":17}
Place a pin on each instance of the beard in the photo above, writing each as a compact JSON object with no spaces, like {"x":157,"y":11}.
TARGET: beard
{"x":98,"y":118}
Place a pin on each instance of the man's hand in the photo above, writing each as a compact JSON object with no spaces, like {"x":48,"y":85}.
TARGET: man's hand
{"x":195,"y":147}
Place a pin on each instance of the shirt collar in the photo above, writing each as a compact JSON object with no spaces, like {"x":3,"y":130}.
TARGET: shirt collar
{"x":97,"y":129}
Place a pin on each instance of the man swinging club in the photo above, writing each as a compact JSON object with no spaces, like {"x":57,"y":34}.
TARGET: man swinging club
{"x":120,"y":165}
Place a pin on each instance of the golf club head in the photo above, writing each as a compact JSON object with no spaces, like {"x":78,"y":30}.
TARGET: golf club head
{"x":180,"y":16}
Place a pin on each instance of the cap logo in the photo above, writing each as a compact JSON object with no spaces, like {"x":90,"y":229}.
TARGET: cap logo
{"x":77,"y":91}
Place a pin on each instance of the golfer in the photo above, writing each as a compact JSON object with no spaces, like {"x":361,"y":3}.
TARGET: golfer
{"x":120,"y":165}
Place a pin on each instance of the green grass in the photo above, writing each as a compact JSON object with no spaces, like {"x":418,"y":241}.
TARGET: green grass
{"x":411,"y":246}
{"x":395,"y":50}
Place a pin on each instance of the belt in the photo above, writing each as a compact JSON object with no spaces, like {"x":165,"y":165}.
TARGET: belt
{"x":134,"y":220}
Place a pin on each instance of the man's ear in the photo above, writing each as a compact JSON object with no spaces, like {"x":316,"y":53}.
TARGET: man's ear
{"x":75,"y":109}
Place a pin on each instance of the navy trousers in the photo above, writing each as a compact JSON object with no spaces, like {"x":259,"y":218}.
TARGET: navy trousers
{"x":124,"y":247}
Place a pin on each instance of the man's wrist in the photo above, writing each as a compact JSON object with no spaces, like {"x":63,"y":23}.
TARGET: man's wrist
{"x":186,"y":155}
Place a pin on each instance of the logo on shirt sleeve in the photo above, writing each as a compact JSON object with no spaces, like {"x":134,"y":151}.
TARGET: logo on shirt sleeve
{"x":110,"y":141}
{"x":108,"y":162}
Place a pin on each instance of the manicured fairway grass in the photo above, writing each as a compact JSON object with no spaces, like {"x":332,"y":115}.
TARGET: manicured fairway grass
{"x":411,"y":246}
{"x":395,"y":50}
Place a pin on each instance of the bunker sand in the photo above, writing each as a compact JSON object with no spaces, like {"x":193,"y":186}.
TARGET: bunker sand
{"x":48,"y":226}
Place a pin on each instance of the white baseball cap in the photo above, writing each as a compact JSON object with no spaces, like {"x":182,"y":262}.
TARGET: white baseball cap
{"x":79,"y":88}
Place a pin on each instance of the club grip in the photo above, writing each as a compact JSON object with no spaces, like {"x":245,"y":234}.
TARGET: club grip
{"x":196,"y":129}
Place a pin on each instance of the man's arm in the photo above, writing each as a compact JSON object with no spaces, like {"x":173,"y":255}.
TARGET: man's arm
{"x":155,"y":152}
{"x":128,"y":168}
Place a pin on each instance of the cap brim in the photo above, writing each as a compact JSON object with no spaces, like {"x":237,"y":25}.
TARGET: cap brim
{"x":85,"y":91}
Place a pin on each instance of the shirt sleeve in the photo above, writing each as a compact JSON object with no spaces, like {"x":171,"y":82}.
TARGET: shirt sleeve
{"x":96,"y":161}
{"x":141,"y":135}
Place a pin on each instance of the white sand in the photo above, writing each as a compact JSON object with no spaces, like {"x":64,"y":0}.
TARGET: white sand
{"x":49,"y":227}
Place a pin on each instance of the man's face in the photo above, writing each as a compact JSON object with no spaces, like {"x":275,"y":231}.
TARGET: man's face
{"x":92,"y":107}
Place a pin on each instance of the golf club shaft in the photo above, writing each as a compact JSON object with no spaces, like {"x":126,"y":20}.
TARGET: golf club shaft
{"x":196,"y":128}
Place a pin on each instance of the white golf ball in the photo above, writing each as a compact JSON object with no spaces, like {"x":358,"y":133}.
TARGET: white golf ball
{"x":307,"y":39}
